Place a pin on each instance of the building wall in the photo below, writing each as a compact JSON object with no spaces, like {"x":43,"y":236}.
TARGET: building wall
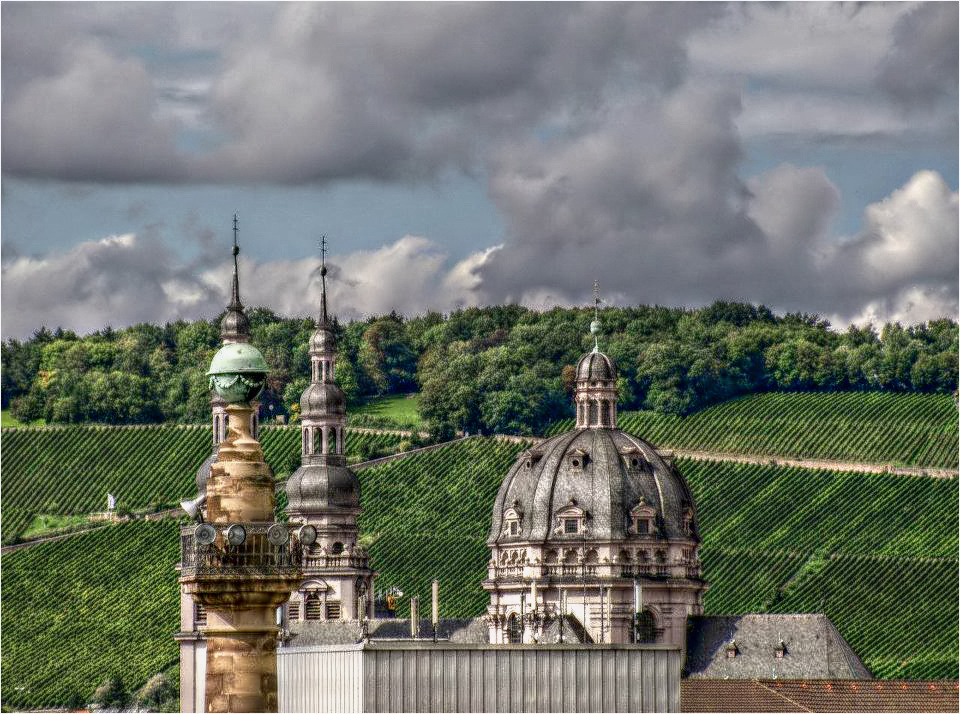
{"x":444,"y":677}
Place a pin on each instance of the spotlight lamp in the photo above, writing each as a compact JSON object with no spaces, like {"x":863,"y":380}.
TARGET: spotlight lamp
{"x":205,"y":534}
{"x":307,"y":535}
{"x":235,"y":534}
{"x":278,"y":534}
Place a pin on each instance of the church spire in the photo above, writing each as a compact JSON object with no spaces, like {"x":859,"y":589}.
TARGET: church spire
{"x":323,"y":280}
{"x":235,"y":327}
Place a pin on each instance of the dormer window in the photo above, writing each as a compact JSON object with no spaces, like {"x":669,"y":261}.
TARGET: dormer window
{"x":570,"y":520}
{"x":732,"y":650}
{"x":633,"y":458}
{"x":641,"y":518}
{"x":511,"y":520}
{"x":532,"y":457}
{"x":578,"y":458}
{"x":780,"y":650}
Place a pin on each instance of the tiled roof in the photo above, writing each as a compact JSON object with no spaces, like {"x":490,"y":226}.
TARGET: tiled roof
{"x":812,"y":648}
{"x":818,"y":695}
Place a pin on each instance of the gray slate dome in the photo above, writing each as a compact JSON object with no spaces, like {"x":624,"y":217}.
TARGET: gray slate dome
{"x":323,"y":339}
{"x":315,"y":487}
{"x":606,"y":472}
{"x":323,"y":398}
{"x":235,"y":324}
{"x":596,"y":367}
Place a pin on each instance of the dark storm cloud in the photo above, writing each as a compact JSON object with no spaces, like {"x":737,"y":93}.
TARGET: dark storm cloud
{"x":315,"y":91}
{"x":922,"y":65}
{"x":650,"y":204}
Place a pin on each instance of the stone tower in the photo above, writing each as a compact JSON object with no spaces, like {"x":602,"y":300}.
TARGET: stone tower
{"x":596,"y":528}
{"x":239,"y":565}
{"x":324,"y":493}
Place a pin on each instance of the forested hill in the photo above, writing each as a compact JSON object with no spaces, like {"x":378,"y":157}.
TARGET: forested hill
{"x":500,"y":369}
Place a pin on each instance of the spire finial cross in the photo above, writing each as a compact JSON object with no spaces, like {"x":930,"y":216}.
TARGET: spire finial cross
{"x":323,"y":249}
{"x":236,"y":229}
{"x":596,"y":298}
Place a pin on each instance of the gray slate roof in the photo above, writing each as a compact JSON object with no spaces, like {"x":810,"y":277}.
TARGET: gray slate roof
{"x":313,"y":632}
{"x":814,"y":648}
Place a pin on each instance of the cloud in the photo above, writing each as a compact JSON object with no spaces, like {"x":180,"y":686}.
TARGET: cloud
{"x":91,"y":117}
{"x":123,"y":280}
{"x":921,"y":66}
{"x":118,"y":281}
{"x":650,"y":203}
{"x":372,"y":91}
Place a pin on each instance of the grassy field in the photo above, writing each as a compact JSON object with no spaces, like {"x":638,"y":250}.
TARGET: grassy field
{"x":400,"y":409}
{"x":8,"y":419}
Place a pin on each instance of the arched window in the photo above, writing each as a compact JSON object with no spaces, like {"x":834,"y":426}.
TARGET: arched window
{"x":333,"y":610}
{"x":604,"y":413}
{"x":645,"y":627}
{"x":514,"y":630}
{"x":293,"y":611}
{"x":593,"y":412}
{"x":332,"y":441}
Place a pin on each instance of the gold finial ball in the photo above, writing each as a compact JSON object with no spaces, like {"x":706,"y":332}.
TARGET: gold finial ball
{"x":595,"y":327}
{"x":323,"y":270}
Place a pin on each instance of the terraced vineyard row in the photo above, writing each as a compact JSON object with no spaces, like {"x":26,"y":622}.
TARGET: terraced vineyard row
{"x":776,"y":539}
{"x":78,"y":610}
{"x":876,"y":553}
{"x":427,"y":516}
{"x":70,"y":470}
{"x":875,"y":427}
{"x":773,"y":508}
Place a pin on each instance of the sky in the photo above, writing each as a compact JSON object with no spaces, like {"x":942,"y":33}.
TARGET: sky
{"x":803,"y":156}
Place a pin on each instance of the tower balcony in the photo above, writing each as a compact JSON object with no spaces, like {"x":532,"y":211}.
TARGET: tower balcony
{"x":257,"y":555}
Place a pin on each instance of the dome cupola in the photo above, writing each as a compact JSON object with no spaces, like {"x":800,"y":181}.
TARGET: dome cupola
{"x":595,"y":391}
{"x":595,"y":525}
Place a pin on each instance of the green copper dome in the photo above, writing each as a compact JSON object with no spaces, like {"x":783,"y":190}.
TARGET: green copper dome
{"x":237,"y":372}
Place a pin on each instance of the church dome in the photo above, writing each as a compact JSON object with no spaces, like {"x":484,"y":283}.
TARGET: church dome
{"x":323,"y":340}
{"x":323,"y":398}
{"x":596,"y":367}
{"x":601,"y":478}
{"x":316,"y":487}
{"x":235,"y":325}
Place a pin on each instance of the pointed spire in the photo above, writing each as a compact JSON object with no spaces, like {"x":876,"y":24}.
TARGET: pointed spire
{"x":595,"y":325}
{"x":323,"y":280}
{"x":235,"y":327}
{"x":235,"y":303}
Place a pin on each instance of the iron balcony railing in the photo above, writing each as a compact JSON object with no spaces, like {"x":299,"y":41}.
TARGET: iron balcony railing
{"x":255,"y":556}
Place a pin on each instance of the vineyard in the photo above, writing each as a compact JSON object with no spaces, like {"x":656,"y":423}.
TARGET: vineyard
{"x":877,"y":553}
{"x":78,"y":610}
{"x":69,"y":470}
{"x":906,"y":429}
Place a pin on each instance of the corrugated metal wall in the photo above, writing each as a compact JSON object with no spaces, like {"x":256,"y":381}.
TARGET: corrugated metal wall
{"x":320,"y":679}
{"x":420,"y":677}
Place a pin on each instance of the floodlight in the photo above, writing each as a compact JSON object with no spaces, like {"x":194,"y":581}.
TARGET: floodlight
{"x":278,"y":534}
{"x":205,"y":534}
{"x":307,"y":535}
{"x":235,"y":534}
{"x":193,"y":508}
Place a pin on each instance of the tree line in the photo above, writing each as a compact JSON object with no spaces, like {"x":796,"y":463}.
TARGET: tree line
{"x":501,"y":369}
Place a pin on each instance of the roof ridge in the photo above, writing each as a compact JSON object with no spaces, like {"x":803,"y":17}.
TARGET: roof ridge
{"x":782,"y":696}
